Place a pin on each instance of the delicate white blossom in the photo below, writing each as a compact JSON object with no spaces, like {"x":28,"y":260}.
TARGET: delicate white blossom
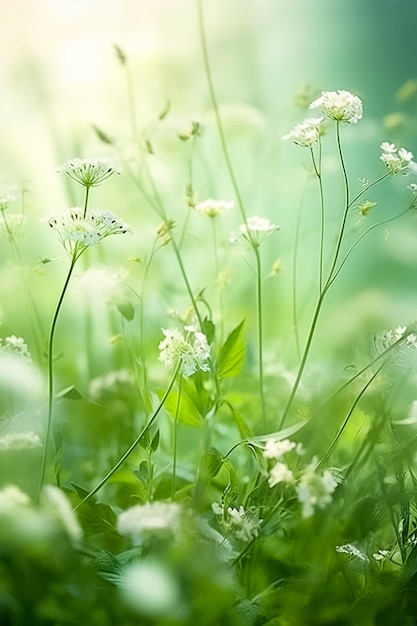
{"x":381,"y":555}
{"x":280,"y":473}
{"x":20,"y":441}
{"x":306,"y":134}
{"x":11,"y":497}
{"x":77,"y":232}
{"x":243,"y":524}
{"x":16,"y":346}
{"x":340,"y":105}
{"x":396,"y":160}
{"x":275,"y":448}
{"x":59,"y":507}
{"x":254,"y":230}
{"x":213,"y":208}
{"x":349,"y":548}
{"x":315,"y":490}
{"x":192,"y":350}
{"x":151,"y":518}
{"x":89,"y":172}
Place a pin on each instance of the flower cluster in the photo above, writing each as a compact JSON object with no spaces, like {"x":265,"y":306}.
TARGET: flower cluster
{"x":148,"y":519}
{"x":20,"y":441}
{"x":351,"y":550}
{"x":77,"y":231}
{"x":279,"y":472}
{"x":255,"y":230}
{"x":391,"y":337}
{"x":243,"y":524}
{"x":396,"y":160}
{"x":340,"y":106}
{"x":315,"y":490}
{"x":192,"y":350}
{"x":89,"y":172}
{"x":213,"y":208}
{"x":306,"y":134}
{"x":16,"y":346}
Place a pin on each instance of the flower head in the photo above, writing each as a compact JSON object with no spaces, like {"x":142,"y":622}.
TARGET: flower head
{"x":275,"y":448}
{"x":213,"y":208}
{"x":16,"y":346}
{"x":306,"y":134}
{"x":243,"y":523}
{"x":396,"y":160}
{"x":77,"y":231}
{"x":148,"y":519}
{"x":255,"y":230}
{"x":280,"y":473}
{"x":20,"y":441}
{"x":192,"y":350}
{"x":89,"y":172}
{"x":340,"y":105}
{"x":315,"y":490}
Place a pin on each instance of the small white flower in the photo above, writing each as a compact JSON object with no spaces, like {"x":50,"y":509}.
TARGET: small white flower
{"x":254,"y":230}
{"x":280,"y":473}
{"x":20,"y":441}
{"x":244,"y":524}
{"x":151,"y":518}
{"x":405,"y":155}
{"x":192,"y":350}
{"x":57,"y":504}
{"x":77,"y":232}
{"x":11,"y":497}
{"x":381,"y":555}
{"x":306,"y":134}
{"x":349,"y":548}
{"x":340,"y":105}
{"x":315,"y":490}
{"x":213,"y":208}
{"x":89,"y":172}
{"x":274,"y":448}
{"x":388,"y":147}
{"x":400,"y":160}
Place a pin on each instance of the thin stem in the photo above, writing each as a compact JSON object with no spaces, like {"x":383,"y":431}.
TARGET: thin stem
{"x":87,"y":193}
{"x":51,"y":370}
{"x":174,"y":440}
{"x":348,"y":416}
{"x":317,"y":170}
{"x":134,"y":444}
{"x":260,"y":333}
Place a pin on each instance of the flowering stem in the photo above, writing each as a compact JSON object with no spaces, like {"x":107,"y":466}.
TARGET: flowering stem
{"x":87,"y":193}
{"x":317,"y":169}
{"x":74,"y":258}
{"x":260,"y":332}
{"x":135,"y":443}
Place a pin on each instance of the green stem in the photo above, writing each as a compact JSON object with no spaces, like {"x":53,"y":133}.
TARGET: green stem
{"x":87,"y":193}
{"x":347,"y":418}
{"x":74,"y":258}
{"x":134,"y":444}
{"x":260,"y":333}
{"x":174,"y":442}
{"x":317,"y":169}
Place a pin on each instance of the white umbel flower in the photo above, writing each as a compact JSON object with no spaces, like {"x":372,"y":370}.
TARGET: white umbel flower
{"x":306,"y":134}
{"x":213,"y":208}
{"x":315,"y":490}
{"x":89,"y":172}
{"x":396,"y":160}
{"x":192,"y":350}
{"x":340,"y":105}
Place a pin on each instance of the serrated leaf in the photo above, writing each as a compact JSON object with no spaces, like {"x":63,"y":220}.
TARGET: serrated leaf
{"x":232,"y":353}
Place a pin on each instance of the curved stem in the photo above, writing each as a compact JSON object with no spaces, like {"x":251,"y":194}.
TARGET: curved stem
{"x":134,"y":444}
{"x":87,"y":193}
{"x":74,"y":258}
{"x":174,"y":442}
{"x":317,"y":170}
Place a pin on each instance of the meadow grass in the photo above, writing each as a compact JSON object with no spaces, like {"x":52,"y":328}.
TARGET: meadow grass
{"x":171,"y":451}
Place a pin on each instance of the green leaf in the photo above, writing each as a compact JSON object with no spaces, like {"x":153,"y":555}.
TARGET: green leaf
{"x":232,"y":354}
{"x":127,"y":309}
{"x":69,"y":393}
{"x":208,"y":328}
{"x":187,"y":412}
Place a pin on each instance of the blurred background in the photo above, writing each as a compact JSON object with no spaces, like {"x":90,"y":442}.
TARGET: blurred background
{"x":60,"y":75}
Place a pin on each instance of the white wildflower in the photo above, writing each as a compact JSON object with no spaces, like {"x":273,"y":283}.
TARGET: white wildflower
{"x":306,"y":134}
{"x":280,"y":473}
{"x":400,"y":160}
{"x":151,"y":518}
{"x":244,"y":524}
{"x":59,"y":507}
{"x":275,"y":448}
{"x":254,"y":230}
{"x":213,"y":208}
{"x":381,"y":555}
{"x":315,"y":490}
{"x":349,"y":548}
{"x":20,"y":441}
{"x":340,"y":105}
{"x":12,"y":225}
{"x":11,"y":497}
{"x":192,"y":350}
{"x":150,"y":589}
{"x":77,"y":231}
{"x":15,"y":346}
{"x":89,"y":172}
